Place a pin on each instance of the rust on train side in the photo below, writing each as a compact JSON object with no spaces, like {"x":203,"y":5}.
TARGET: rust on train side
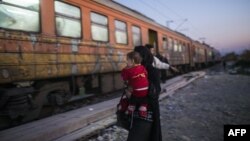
{"x":30,"y":57}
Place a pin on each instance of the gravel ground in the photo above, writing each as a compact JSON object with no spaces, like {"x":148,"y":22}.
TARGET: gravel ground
{"x":198,"y":111}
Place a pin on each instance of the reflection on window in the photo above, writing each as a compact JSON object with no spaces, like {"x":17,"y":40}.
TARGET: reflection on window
{"x":210,"y":53}
{"x":99,"y":19}
{"x":121,"y":37}
{"x":29,"y":4}
{"x":67,"y":10}
{"x":175,"y":46}
{"x":68,"y":20}
{"x":99,"y":33}
{"x":66,"y":27}
{"x":20,"y":15}
{"x":180,"y":48}
{"x":136,"y":35}
{"x":170,"y":44}
{"x":99,"y":27}
{"x":164,"y":43}
{"x":121,"y":32}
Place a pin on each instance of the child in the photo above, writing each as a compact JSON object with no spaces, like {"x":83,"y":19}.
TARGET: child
{"x":135,"y":75}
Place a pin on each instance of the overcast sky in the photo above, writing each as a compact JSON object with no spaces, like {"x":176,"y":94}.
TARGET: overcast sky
{"x":224,"y":24}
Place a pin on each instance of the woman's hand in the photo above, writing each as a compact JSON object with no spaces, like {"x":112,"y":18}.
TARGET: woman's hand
{"x":174,"y":69}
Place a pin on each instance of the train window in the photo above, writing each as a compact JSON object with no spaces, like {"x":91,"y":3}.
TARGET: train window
{"x":210,"y":53}
{"x":175,"y":46}
{"x":164,"y":43}
{"x":170,"y":44}
{"x":184,"y":48}
{"x":99,"y":27}
{"x":202,"y":51}
{"x":136,"y":31}
{"x":67,"y":16}
{"x":20,"y":15}
{"x":121,"y":32}
{"x":180,"y":47}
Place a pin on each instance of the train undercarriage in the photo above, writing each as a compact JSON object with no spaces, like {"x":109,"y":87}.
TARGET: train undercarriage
{"x":26,"y":101}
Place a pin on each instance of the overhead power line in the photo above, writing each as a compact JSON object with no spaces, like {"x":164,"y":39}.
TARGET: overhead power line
{"x":157,"y":11}
{"x":196,"y":30}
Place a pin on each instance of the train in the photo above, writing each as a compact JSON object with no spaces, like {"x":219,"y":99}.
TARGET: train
{"x":53,"y":52}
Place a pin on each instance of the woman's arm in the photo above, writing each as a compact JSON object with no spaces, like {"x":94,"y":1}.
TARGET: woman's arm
{"x":174,"y":69}
{"x":160,"y":65}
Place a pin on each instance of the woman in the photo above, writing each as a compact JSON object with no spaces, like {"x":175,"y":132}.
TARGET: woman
{"x":143,"y":129}
{"x":136,"y":79}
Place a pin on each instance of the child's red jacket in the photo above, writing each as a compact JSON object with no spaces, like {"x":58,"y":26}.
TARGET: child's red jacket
{"x":137,"y":78}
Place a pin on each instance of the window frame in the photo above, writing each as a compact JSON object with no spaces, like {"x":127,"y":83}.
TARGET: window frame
{"x":140,"y":34}
{"x":125,"y":31}
{"x":69,"y":18}
{"x":176,"y":47}
{"x":21,"y":7}
{"x":180,"y":47}
{"x":166,"y":40}
{"x":171,"y":44}
{"x":101,"y":25}
{"x":184,"y":47}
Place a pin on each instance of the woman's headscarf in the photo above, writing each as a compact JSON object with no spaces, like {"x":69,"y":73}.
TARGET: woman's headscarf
{"x":147,"y":62}
{"x":147,"y":57}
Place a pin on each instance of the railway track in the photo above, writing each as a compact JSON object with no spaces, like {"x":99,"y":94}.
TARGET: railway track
{"x":86,"y":121}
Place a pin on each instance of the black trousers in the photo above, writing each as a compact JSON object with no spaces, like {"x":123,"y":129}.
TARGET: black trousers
{"x":140,"y":130}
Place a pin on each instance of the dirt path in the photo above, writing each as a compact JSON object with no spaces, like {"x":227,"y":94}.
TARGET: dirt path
{"x":199,"y":111}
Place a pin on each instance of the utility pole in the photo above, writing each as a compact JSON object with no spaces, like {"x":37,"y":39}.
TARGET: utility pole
{"x":168,"y":23}
{"x":183,"y":21}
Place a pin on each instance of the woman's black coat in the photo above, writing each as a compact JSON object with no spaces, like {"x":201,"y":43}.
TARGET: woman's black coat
{"x":154,"y":79}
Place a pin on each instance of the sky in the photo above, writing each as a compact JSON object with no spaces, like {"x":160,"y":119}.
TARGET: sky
{"x":223,"y":24}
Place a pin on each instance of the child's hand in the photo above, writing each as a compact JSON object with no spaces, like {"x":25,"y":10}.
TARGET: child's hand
{"x":125,"y":83}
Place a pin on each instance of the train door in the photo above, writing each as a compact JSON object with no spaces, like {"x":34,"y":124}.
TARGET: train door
{"x":152,"y":39}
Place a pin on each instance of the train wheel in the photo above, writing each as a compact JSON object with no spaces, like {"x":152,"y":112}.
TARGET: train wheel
{"x":50,"y":95}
